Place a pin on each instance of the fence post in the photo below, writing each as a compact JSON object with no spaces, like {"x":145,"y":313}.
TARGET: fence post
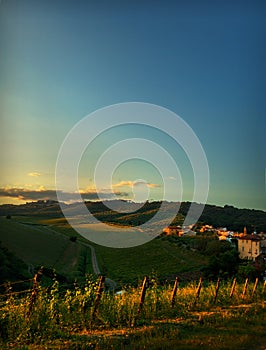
{"x":34,"y":292}
{"x":98,"y":295}
{"x":245,"y":288}
{"x":143,"y":293}
{"x":174,"y":291}
{"x":255,"y":286}
{"x":233,"y":288}
{"x":216,"y":290}
{"x":142,"y":299}
{"x":198,"y":289}
{"x":8,"y":288}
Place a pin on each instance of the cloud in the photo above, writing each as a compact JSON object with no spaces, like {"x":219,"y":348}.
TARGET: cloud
{"x":34,"y":174}
{"x":123,"y":184}
{"x":135,"y":183}
{"x":42,"y":193}
{"x":150,"y":185}
{"x":27,"y":194}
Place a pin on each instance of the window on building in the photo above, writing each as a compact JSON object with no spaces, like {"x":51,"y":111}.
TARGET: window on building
{"x":243,"y":249}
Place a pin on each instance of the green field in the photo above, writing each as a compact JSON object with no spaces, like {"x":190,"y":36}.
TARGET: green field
{"x":128,"y":265}
{"x":46,"y":241}
{"x":157,"y":257}
{"x":40,"y":245}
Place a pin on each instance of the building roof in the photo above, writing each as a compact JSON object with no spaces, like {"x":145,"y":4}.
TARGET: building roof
{"x":250,"y":238}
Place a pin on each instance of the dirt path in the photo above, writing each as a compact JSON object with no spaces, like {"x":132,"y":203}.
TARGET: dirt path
{"x":94,"y":261}
{"x":110,"y":284}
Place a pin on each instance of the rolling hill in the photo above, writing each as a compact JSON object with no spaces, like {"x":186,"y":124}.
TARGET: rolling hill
{"x":39,"y":245}
{"x":38,"y":234}
{"x":226,"y":216}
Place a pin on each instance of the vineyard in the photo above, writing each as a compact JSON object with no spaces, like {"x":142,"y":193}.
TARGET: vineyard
{"x":224,"y":314}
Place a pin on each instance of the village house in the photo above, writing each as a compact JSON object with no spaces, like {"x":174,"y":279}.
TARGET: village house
{"x":205,"y":228}
{"x":179,"y":231}
{"x":173,"y":231}
{"x":249,"y":247}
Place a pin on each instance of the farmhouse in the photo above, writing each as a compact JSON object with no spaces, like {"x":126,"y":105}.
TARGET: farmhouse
{"x":249,"y":247}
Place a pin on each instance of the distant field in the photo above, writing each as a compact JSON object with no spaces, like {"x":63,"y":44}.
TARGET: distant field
{"x":54,"y":221}
{"x":46,"y":242}
{"x":128,"y":265}
{"x":42,"y":245}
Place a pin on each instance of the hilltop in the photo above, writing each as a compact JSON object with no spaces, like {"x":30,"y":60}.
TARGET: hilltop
{"x":227,"y":216}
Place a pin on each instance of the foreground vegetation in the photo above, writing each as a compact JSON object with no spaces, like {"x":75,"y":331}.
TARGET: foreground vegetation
{"x":83,"y":318}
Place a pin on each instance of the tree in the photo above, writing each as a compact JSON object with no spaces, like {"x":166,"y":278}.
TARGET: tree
{"x":223,"y":260}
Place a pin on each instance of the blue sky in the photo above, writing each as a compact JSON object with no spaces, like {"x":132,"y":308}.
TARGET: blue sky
{"x":205,"y":61}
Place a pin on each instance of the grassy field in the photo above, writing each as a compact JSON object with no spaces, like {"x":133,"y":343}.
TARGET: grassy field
{"x":74,"y":320}
{"x":42,"y":241}
{"x":157,"y":257}
{"x":128,"y":265}
{"x":39,"y":245}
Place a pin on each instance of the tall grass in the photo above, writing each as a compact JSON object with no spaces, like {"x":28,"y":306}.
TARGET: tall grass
{"x":55,"y":314}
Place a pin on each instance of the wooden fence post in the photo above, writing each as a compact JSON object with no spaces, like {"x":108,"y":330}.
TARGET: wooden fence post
{"x":174,"y":292}
{"x":216,"y":290}
{"x":198,"y":289}
{"x":98,"y":295}
{"x":245,"y":288}
{"x":34,"y":292}
{"x":143,"y":293}
{"x":233,"y":288}
{"x":255,"y":286}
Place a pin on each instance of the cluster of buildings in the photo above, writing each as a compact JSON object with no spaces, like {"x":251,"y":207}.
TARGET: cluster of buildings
{"x":179,"y":231}
{"x":41,"y":203}
{"x":250,"y":246}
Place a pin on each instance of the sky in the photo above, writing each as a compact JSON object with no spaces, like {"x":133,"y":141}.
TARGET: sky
{"x":203,"y":60}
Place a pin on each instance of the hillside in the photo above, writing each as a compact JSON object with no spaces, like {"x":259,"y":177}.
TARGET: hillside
{"x":38,"y":234}
{"x":227,"y":216}
{"x":39,"y":245}
{"x":232,"y":218}
{"x":11,"y":267}
{"x":47,"y":242}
